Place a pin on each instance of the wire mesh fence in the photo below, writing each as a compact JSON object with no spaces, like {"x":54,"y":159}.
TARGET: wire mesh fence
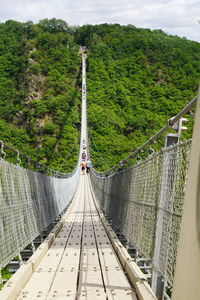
{"x":145,"y":204}
{"x":29,"y":202}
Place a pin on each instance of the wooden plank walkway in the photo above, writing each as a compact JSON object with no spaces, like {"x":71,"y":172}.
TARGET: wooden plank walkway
{"x":81,"y":263}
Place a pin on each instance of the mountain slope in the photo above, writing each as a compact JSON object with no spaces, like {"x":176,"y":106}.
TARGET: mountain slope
{"x":136,"y":80}
{"x":40,"y":99}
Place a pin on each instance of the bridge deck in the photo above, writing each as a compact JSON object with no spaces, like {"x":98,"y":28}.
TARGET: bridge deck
{"x":81,"y":263}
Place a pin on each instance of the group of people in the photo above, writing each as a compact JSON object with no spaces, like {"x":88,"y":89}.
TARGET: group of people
{"x":85,"y":166}
{"x":85,"y":163}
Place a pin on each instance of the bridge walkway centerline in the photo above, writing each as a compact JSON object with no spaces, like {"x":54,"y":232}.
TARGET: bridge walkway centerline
{"x":81,"y":262}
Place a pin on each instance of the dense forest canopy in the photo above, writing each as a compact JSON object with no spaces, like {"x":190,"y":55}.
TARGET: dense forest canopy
{"x":136,"y":80}
{"x":40,"y":96}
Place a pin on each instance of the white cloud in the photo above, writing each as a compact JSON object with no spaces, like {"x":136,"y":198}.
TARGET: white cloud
{"x":173,"y":16}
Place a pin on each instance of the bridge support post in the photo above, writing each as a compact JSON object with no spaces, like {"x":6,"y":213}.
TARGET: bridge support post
{"x":187,"y":272}
{"x":157,"y":283}
{"x":169,"y":162}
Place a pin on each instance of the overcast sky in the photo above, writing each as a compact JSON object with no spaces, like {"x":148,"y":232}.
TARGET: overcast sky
{"x":177,"y":17}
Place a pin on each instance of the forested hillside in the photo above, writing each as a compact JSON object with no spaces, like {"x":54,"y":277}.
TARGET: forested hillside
{"x":136,"y":80}
{"x":39,"y":91}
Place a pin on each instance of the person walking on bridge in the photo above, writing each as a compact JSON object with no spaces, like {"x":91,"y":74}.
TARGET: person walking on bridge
{"x":88,"y":166}
{"x":83,"y":165}
{"x":84,"y":145}
{"x":84,"y":156}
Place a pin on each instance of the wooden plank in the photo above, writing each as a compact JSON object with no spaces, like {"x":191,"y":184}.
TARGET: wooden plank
{"x":38,"y":286}
{"x":116,"y":294}
{"x":70,"y":259}
{"x":90,"y":285}
{"x":64,"y":285}
{"x":90,"y":260}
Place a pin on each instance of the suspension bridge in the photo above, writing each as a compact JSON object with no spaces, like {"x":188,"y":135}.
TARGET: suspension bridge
{"x":82,"y":256}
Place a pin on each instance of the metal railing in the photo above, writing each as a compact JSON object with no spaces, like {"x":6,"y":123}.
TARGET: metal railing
{"x":134,"y":199}
{"x":144,"y":202}
{"x":29,"y":202}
